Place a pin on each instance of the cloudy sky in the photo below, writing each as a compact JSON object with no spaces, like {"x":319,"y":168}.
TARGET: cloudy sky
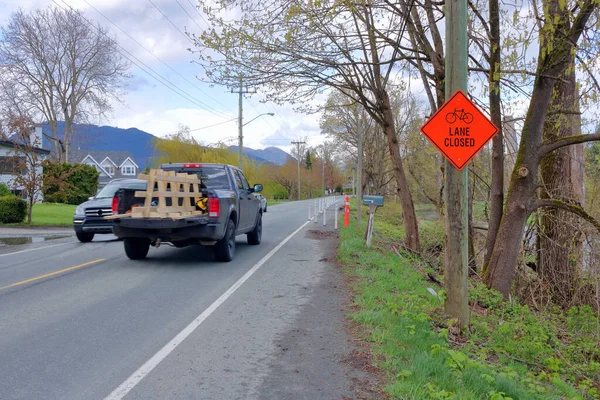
{"x":153,"y":31}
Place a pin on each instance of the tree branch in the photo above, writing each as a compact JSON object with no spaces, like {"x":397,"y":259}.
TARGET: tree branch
{"x":573,"y":208}
{"x":566,"y":141}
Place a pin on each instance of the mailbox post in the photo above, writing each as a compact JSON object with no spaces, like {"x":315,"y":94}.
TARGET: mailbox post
{"x":373,"y":202}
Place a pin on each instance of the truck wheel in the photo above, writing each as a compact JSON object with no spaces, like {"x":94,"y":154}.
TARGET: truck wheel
{"x":136,"y":248}
{"x":255,"y":235}
{"x":225,"y":248}
{"x":84,"y":237}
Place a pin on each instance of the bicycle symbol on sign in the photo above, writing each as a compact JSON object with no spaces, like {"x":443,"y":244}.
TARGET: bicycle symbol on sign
{"x":459,"y":114}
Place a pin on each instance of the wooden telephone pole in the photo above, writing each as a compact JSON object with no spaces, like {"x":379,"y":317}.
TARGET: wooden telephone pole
{"x":456,"y":269}
{"x":241,"y":91}
{"x":298,"y":143}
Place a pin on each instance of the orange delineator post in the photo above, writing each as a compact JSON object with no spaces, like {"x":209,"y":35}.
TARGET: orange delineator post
{"x":347,"y":212}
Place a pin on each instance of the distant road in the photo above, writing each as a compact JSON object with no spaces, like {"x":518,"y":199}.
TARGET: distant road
{"x":77,"y":320}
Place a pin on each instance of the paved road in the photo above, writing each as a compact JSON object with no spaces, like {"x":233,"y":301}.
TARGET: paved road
{"x":79,"y":319}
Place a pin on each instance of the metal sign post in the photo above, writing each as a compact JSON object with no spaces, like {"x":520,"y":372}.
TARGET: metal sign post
{"x":373,"y":202}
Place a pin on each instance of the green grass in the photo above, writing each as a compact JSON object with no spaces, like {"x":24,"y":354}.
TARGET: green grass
{"x":511,"y":352}
{"x":50,"y":214}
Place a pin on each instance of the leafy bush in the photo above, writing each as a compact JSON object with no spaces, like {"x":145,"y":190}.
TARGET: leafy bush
{"x":4,"y":190}
{"x":280,"y":194}
{"x":12,"y":209}
{"x":69,"y":183}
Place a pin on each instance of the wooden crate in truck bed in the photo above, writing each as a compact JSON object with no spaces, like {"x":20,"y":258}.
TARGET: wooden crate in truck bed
{"x":175,"y":196}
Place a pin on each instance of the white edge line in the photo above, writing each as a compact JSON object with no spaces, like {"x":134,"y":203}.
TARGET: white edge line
{"x":135,"y":378}
{"x":37,"y":248}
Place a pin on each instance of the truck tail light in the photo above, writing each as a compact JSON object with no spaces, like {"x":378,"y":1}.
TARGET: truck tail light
{"x":214,"y":208}
{"x":115,"y":205}
{"x":192,"y":165}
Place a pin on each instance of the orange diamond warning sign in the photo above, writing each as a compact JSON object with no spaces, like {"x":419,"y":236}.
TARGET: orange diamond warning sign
{"x":459,"y":130}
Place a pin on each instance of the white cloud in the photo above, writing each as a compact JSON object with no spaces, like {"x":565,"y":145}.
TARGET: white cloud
{"x":152,"y":107}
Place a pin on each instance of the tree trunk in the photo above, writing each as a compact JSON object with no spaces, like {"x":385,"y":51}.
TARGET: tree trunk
{"x":29,"y":208}
{"x":521,"y":194}
{"x":408,"y":209}
{"x":472,"y":255}
{"x":554,"y":57}
{"x":359,"y":172}
{"x":560,"y":236}
{"x":497,"y":187}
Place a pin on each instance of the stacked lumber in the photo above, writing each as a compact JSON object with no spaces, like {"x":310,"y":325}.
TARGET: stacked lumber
{"x":182,"y":189}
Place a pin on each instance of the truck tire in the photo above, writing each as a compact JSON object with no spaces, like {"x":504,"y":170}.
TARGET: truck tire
{"x":84,"y":237}
{"x":255,"y":235}
{"x":224,"y":249}
{"x":136,"y":248}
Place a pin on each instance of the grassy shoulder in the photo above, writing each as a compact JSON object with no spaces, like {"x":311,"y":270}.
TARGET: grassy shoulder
{"x":511,"y":352}
{"x":50,"y":214}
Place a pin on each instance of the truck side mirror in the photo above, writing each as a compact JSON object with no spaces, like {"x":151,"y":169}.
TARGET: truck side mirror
{"x":258,"y":188}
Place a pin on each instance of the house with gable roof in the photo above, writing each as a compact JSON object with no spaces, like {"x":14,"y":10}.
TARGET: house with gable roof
{"x":11,"y":161}
{"x":111,"y":164}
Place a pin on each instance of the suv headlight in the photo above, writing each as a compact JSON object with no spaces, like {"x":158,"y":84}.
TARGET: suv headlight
{"x":80,"y":210}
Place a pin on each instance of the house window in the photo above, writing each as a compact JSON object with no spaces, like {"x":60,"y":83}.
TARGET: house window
{"x":128,"y":170}
{"x":11,"y":165}
{"x":109,"y":169}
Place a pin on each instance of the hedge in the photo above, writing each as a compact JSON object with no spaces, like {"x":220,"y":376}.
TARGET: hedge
{"x":4,"y":190}
{"x":12,"y":209}
{"x":69,"y":183}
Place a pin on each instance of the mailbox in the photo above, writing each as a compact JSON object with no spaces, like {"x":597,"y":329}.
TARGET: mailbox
{"x":373,"y":201}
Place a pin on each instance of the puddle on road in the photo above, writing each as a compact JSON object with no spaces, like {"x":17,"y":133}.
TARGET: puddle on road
{"x":11,"y":241}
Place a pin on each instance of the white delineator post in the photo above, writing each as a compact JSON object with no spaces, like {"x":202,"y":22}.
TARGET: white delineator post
{"x":309,"y":212}
{"x":336,"y":212}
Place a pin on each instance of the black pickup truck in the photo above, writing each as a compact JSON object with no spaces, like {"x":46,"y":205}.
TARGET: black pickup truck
{"x":231,"y":210}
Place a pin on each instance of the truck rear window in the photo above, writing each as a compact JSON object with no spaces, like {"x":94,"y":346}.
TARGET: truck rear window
{"x":214,"y":177}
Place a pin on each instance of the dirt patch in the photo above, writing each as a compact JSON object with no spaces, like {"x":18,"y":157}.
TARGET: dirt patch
{"x":319,"y":235}
{"x":369,"y":379}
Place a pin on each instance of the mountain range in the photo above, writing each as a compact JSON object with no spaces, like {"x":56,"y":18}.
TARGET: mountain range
{"x":141,"y":144}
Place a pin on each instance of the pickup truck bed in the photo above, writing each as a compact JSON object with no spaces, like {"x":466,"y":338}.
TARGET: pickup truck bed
{"x":172,"y":210}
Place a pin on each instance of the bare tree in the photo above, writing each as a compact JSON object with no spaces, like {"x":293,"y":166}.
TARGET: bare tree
{"x":28,"y":158}
{"x":297,"y":50}
{"x":58,"y":66}
{"x":559,"y":39}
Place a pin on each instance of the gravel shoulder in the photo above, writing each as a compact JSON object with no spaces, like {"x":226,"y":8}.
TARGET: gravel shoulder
{"x":321,"y":356}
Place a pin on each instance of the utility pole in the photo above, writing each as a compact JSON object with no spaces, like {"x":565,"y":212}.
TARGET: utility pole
{"x":457,"y":192}
{"x":298,"y":143}
{"x":241,"y":91}
{"x":353,"y":182}
{"x":359,"y":172}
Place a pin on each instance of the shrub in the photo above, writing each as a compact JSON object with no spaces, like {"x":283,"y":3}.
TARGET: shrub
{"x":68,"y":183}
{"x":4,"y":190}
{"x":12,"y":209}
{"x":280,"y":194}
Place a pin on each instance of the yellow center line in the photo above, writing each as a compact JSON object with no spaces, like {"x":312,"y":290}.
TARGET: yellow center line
{"x":52,"y":273}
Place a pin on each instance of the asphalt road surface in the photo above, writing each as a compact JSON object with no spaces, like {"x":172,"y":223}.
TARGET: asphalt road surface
{"x":82,"y":321}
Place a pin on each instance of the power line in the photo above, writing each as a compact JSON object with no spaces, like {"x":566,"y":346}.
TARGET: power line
{"x":206,"y":127}
{"x":198,"y":12}
{"x":171,"y":22}
{"x":158,"y":77}
{"x":188,"y":14}
{"x":283,"y":128}
{"x":207,"y":107}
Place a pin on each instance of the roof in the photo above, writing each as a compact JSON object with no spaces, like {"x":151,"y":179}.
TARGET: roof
{"x":117,"y":156}
{"x":10,"y":143}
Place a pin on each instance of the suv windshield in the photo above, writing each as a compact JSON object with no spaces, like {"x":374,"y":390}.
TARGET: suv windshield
{"x":110,"y":189}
